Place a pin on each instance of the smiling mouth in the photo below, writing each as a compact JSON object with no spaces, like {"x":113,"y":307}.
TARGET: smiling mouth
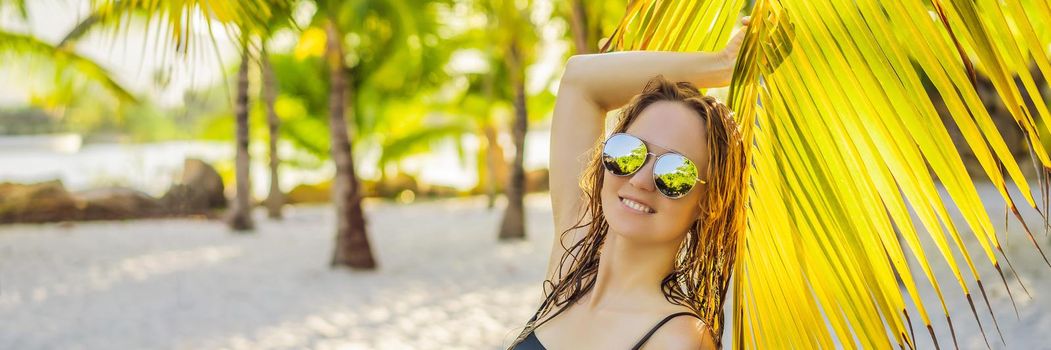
{"x":636,"y":206}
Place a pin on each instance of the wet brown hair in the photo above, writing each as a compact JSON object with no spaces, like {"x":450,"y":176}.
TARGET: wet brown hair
{"x":705,"y":259}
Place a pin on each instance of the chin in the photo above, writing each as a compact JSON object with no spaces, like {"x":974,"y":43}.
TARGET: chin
{"x":635,"y":231}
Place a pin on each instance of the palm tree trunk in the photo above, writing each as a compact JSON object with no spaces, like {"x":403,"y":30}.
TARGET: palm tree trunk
{"x":276,"y":199}
{"x":581,"y":30}
{"x":352,"y":245}
{"x":240,"y":217}
{"x":513,"y":224}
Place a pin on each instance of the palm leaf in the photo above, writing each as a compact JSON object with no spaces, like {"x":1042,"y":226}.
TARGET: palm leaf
{"x":845,"y":141}
{"x":15,"y":44}
{"x":421,"y":140}
{"x":178,"y":18}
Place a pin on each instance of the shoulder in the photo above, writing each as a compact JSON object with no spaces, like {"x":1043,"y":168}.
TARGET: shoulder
{"x":683,"y":332}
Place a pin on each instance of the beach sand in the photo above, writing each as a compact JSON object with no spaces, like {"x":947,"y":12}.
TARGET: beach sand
{"x":444,"y":282}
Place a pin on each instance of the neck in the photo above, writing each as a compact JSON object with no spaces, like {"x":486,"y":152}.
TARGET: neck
{"x":630,"y":272}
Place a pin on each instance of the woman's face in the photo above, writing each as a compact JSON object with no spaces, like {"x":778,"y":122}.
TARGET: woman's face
{"x":662,"y":124}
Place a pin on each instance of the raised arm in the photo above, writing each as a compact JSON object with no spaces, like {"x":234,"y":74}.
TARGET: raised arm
{"x":609,"y":80}
{"x":595,"y":84}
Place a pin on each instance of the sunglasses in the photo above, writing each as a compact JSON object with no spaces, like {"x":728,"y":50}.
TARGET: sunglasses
{"x":674,"y":175}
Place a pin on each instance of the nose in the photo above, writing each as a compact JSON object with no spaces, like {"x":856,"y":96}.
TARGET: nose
{"x":643,"y":178}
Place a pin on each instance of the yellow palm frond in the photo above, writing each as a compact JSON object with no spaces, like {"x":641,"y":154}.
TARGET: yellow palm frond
{"x":848,"y":153}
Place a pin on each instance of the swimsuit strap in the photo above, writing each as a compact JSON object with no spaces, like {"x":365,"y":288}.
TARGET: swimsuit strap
{"x":659,"y":324}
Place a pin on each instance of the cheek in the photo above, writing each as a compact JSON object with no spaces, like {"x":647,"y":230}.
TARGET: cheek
{"x":610,"y":186}
{"x":680,"y":216}
{"x":686,"y":215}
{"x":671,"y":221}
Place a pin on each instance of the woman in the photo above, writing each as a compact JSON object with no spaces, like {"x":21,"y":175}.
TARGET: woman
{"x":660,"y":200}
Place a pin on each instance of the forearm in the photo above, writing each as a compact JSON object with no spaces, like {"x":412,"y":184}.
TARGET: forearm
{"x":612,"y":79}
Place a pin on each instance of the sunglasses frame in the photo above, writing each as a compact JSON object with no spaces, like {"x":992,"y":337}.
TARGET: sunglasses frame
{"x":657,"y":158}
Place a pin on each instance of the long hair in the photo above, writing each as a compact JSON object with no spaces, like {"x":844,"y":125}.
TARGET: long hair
{"x":705,"y":259}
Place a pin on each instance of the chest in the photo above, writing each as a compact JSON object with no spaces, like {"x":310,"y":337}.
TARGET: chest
{"x":574,"y":329}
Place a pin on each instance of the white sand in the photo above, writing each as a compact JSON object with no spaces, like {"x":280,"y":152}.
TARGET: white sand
{"x":1031,"y":328}
{"x":444,"y":282}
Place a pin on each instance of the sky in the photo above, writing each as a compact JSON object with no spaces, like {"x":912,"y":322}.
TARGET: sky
{"x":134,"y":59}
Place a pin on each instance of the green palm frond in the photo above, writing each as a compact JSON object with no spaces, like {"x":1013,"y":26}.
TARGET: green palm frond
{"x":15,"y":44}
{"x":420,"y":140}
{"x":179,"y":18}
{"x":845,"y":142}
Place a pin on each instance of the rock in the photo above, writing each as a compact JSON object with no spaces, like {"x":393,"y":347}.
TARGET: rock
{"x":203,"y":178}
{"x":39,"y":202}
{"x":311,"y":193}
{"x":199,"y":190}
{"x":182,"y":199}
{"x":117,"y":203}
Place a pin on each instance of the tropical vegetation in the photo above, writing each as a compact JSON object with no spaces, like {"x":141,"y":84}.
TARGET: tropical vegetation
{"x":837,"y":102}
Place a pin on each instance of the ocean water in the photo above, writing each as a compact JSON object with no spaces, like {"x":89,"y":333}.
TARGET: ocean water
{"x":152,"y":167}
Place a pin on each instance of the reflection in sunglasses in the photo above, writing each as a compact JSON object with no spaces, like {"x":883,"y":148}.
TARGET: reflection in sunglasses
{"x":674,"y":175}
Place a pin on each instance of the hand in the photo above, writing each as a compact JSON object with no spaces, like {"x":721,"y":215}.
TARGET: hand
{"x":780,"y":42}
{"x":733,"y":47}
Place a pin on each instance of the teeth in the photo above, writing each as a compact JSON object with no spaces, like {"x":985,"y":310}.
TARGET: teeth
{"x":636,"y":205}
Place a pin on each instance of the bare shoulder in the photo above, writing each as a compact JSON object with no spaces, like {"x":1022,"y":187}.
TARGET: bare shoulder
{"x":683,"y":332}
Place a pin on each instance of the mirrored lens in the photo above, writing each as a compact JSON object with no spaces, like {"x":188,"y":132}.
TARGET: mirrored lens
{"x":674,"y":175}
{"x":623,"y":154}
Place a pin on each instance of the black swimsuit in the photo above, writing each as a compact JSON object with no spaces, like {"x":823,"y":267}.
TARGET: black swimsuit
{"x":532,"y":343}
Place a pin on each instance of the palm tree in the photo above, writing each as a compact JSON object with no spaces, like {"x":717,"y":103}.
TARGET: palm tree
{"x":393,"y":36}
{"x":352,"y":245}
{"x":846,"y":139}
{"x":582,"y":36}
{"x":515,"y":37}
{"x":512,"y":226}
{"x":589,"y":21}
{"x":240,"y":216}
{"x":275,"y":201}
{"x":280,"y":19}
